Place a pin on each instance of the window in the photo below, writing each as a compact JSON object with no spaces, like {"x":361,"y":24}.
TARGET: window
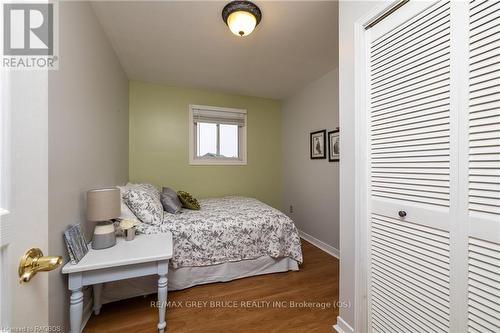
{"x":217,"y":135}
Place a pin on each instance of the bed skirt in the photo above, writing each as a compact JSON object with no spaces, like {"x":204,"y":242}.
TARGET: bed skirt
{"x":186,"y":277}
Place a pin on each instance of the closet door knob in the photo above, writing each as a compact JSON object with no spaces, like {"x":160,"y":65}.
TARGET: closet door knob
{"x":402,"y":213}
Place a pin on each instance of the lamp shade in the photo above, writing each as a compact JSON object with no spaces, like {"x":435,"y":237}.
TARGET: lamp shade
{"x":103,"y":204}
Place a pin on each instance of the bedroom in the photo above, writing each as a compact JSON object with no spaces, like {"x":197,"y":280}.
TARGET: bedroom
{"x":175,"y":166}
{"x":118,"y":116}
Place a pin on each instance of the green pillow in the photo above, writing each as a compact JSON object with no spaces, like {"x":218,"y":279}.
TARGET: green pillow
{"x":188,"y":201}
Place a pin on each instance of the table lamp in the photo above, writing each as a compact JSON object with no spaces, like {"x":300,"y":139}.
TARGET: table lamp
{"x":103,"y":205}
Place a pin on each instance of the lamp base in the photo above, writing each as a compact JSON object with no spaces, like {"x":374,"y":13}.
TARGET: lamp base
{"x":104,"y":235}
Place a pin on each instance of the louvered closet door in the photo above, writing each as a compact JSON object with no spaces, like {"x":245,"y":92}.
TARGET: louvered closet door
{"x":484,"y":167}
{"x":409,"y":106}
{"x":434,"y":142}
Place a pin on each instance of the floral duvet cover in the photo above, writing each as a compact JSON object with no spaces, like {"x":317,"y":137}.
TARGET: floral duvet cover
{"x":228,"y":229}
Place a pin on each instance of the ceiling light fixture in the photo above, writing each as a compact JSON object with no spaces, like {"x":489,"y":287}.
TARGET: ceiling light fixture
{"x":241,"y":17}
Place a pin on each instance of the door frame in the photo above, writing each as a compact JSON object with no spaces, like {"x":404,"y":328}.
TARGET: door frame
{"x":362,"y":187}
{"x":362,"y":163}
{"x":5,"y":223}
{"x":458,"y":104}
{"x":4,"y":262}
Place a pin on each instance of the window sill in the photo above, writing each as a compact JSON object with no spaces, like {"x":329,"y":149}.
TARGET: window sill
{"x":217,"y":162}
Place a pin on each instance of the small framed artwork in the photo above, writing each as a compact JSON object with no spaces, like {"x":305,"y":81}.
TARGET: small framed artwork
{"x":334,"y":146}
{"x":76,"y":243}
{"x":318,"y":145}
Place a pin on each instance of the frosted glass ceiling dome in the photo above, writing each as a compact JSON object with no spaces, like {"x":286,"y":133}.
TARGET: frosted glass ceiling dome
{"x":241,"y":17}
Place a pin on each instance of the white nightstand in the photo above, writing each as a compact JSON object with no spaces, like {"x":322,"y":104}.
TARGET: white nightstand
{"x":145,"y":255}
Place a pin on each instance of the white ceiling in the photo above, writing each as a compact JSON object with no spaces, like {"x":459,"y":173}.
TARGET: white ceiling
{"x":187,"y":44}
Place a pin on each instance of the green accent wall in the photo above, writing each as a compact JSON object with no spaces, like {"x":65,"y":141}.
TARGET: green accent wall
{"x":159,"y":144}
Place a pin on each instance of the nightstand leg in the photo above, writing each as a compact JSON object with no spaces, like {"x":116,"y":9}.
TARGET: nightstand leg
{"x":162,"y":299}
{"x":76,"y":310}
{"x":97,"y":298}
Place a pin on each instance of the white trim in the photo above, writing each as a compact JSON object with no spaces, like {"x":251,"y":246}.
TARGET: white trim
{"x":214,"y":161}
{"x":217,"y":108}
{"x":459,"y":164}
{"x":342,"y":326}
{"x":243,"y":137}
{"x":458,"y":170}
{"x":320,"y":244}
{"x":5,"y":224}
{"x":378,"y":12}
{"x":6,"y":297}
{"x":362,"y":316}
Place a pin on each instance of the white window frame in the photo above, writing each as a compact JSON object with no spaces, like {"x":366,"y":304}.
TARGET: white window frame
{"x":242,"y":139}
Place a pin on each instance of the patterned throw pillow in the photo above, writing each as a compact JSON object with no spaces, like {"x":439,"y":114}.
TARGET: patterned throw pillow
{"x":188,"y":201}
{"x":151,"y":189}
{"x":126,"y":213}
{"x":144,"y":201}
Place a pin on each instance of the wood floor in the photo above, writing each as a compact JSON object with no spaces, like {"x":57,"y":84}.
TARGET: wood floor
{"x":316,"y":282}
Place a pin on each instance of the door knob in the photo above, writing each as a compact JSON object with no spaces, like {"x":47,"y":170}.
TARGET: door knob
{"x":402,"y":213}
{"x":33,"y":262}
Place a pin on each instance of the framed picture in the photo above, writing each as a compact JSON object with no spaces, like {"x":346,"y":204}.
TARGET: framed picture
{"x":334,"y":146}
{"x":76,"y":243}
{"x":318,"y":145}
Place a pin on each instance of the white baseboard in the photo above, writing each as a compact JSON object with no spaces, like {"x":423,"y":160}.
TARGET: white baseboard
{"x":320,"y":244}
{"x":342,"y":326}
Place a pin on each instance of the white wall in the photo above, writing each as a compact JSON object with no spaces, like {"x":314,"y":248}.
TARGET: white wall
{"x":311,"y":186}
{"x":349,"y":13}
{"x":88,"y":131}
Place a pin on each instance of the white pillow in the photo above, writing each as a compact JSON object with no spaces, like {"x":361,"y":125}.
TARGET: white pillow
{"x":144,"y":202}
{"x":126,"y":213}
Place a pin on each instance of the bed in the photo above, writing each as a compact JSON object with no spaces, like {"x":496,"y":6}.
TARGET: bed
{"x":228,"y":238}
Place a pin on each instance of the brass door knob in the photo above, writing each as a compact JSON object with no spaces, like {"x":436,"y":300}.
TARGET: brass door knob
{"x":33,"y":262}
